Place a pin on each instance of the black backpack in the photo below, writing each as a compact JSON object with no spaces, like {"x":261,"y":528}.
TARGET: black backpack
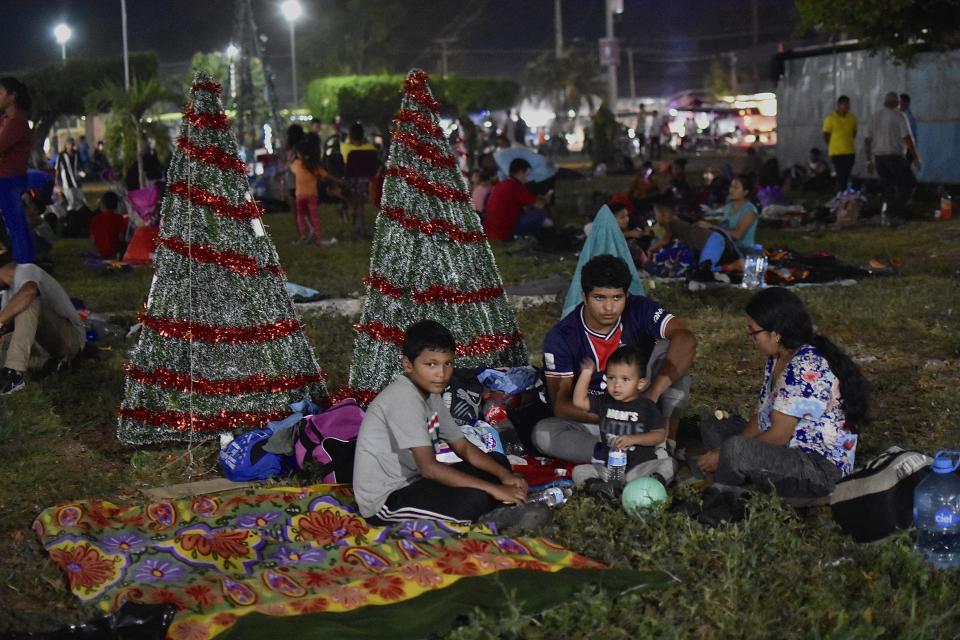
{"x":878,"y":499}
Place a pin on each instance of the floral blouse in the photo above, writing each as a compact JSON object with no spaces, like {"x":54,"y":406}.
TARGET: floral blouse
{"x":809,"y":391}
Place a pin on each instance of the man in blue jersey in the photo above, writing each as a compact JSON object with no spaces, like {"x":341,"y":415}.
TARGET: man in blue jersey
{"x":607,"y":318}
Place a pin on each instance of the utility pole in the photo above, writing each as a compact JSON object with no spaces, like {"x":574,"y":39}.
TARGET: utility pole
{"x":733,"y":72}
{"x":633,"y":80}
{"x":558,"y":28}
{"x":756,"y":38}
{"x":443,"y":42}
{"x":611,"y":7}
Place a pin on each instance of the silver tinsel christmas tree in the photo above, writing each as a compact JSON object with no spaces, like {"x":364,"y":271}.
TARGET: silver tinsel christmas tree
{"x":222,"y":346}
{"x":430,"y":257}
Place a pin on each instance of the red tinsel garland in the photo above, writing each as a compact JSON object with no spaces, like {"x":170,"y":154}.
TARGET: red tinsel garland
{"x":218,"y":204}
{"x":426,"y":152}
{"x":213,"y":156}
{"x":183,"y":421}
{"x":218,"y":334}
{"x":205,"y":120}
{"x":212,"y":87}
{"x":416,"y":180}
{"x":363,"y":397}
{"x":435,"y":293}
{"x":431,"y":227}
{"x":419,"y":120}
{"x":416,"y":88}
{"x":237,"y":262}
{"x":257,"y":383}
{"x":480,"y":345}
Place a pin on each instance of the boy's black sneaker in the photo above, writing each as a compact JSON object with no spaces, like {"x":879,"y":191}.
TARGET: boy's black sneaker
{"x":10,"y":380}
{"x":532,"y":517}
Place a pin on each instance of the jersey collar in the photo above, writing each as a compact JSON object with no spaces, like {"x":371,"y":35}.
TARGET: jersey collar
{"x":603,"y":336}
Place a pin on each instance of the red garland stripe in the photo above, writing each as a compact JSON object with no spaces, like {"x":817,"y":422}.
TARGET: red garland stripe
{"x":416,"y":88}
{"x":205,"y":120}
{"x":435,"y":293}
{"x":420,"y":121}
{"x":417,"y":181}
{"x":257,"y":383}
{"x":183,"y":421}
{"x":213,"y":156}
{"x":363,"y":397}
{"x":212,"y":87}
{"x":481,"y":345}
{"x":218,"y":204}
{"x":431,"y":227}
{"x":218,"y":334}
{"x":237,"y":262}
{"x":428,"y":152}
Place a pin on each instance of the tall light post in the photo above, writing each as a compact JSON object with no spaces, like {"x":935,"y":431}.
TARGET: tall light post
{"x":232,"y":52}
{"x":292,"y":11}
{"x":61,"y":34}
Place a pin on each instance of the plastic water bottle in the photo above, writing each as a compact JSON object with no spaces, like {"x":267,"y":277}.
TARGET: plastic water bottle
{"x":754,"y":267}
{"x":936,"y":512}
{"x":552,"y":497}
{"x":884,"y":218}
{"x":616,"y":466}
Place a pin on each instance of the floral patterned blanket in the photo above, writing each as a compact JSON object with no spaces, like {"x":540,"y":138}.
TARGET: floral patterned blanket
{"x":277,"y":551}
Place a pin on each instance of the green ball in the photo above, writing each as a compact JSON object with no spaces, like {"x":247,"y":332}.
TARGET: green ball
{"x":641,"y":493}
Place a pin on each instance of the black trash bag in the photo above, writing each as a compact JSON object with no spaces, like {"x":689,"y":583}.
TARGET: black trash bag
{"x":715,"y":506}
{"x":131,"y":621}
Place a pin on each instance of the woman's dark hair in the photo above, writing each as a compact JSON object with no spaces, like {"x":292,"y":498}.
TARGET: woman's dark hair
{"x":605,"y":272}
{"x":14,"y":86}
{"x":356,"y":131}
{"x":427,"y":334}
{"x":746,"y":182}
{"x":294,"y":136}
{"x":779,"y":310}
{"x":308,"y":154}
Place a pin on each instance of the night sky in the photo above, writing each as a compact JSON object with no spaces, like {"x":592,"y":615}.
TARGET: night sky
{"x":676,"y":40}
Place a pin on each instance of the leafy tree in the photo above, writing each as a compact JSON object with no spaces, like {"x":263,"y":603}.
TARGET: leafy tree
{"x":356,"y":37}
{"x":567,"y":81}
{"x":61,"y":89}
{"x":217,"y":65}
{"x":128,"y":130}
{"x":717,"y":80}
{"x":905,"y":27}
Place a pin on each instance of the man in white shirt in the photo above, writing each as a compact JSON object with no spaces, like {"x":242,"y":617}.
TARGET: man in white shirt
{"x":34,"y":307}
{"x":888,"y":140}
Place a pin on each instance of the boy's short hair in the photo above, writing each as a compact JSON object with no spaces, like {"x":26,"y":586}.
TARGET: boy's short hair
{"x":605,"y":271}
{"x":617,"y":207}
{"x":843,"y":99}
{"x":110,"y":201}
{"x":629,"y":356}
{"x":517,"y":165}
{"x":427,"y":334}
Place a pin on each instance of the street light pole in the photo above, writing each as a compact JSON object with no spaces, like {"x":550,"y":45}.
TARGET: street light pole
{"x":611,"y":7}
{"x":291,"y":11}
{"x":126,"y":53}
{"x":293,"y":63}
{"x":61,"y":34}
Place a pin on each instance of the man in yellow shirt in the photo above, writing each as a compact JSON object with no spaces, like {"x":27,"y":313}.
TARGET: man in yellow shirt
{"x":839,"y":130}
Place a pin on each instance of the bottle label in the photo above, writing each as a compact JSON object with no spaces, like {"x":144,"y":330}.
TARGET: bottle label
{"x":617,"y":459}
{"x":945,"y":517}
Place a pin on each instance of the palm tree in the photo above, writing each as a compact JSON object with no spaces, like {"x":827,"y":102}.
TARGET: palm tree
{"x":129,"y":131}
{"x":566,"y":81}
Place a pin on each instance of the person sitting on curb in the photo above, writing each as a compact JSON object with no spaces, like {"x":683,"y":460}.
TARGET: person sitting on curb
{"x":607,"y":318}
{"x":34,"y":307}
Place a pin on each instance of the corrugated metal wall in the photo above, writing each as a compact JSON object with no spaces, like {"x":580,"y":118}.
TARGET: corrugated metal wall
{"x":809,"y":87}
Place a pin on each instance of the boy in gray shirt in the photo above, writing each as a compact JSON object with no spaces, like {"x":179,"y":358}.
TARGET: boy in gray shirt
{"x":396,"y":474}
{"x":34,"y":308}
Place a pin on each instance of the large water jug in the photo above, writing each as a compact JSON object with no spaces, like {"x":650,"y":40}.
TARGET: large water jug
{"x":936,"y":512}
{"x":754,"y":267}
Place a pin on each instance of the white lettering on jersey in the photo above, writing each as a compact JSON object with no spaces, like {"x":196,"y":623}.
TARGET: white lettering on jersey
{"x":549,"y":362}
{"x":656,"y":316}
{"x":617,"y":414}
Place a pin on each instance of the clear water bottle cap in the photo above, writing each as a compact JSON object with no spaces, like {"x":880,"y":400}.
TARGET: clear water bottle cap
{"x":943,"y":462}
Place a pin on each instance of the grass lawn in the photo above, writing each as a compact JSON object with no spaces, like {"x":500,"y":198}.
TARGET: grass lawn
{"x":778,"y":574}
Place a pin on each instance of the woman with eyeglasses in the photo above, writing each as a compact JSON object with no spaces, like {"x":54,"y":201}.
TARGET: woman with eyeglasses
{"x":812,"y":404}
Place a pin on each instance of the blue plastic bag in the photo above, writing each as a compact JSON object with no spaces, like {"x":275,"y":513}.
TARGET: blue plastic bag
{"x":511,"y":381}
